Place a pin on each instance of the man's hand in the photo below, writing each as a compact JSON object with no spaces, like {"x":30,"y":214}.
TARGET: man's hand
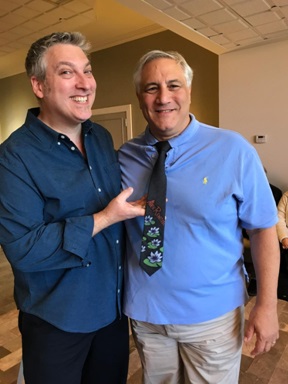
{"x":118,"y":210}
{"x":263,"y":323}
{"x":284,"y":243}
{"x":263,"y":319}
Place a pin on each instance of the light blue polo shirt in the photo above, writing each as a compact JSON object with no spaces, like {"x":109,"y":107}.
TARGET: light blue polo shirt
{"x":215,"y":186}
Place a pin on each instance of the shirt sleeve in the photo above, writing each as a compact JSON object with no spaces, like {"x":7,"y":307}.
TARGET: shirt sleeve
{"x":257,"y":207}
{"x":29,"y":243}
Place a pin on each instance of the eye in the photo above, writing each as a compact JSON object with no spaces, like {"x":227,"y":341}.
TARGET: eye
{"x":88,"y":72}
{"x":66,"y":73}
{"x":174,"y":86}
{"x":151,"y":89}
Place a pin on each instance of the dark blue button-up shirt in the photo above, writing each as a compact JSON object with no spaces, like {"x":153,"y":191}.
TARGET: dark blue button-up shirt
{"x":48,"y":193}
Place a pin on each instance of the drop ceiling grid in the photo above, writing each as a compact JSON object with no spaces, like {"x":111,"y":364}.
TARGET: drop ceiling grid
{"x":230,"y":23}
{"x":23,"y":22}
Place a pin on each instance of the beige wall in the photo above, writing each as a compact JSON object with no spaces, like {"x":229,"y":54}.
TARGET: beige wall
{"x":113,"y":70}
{"x":15,"y":97}
{"x":253,"y":85}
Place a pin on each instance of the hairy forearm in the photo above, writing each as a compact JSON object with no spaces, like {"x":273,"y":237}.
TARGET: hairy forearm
{"x":266,"y":259}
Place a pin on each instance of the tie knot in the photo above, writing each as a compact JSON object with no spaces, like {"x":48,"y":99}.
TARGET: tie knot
{"x":163,"y":146}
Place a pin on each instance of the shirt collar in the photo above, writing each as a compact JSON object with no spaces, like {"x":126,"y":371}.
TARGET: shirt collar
{"x":43,"y":132}
{"x":185,"y":136}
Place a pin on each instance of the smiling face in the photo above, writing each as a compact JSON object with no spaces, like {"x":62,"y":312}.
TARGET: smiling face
{"x":164,"y":98}
{"x":68,"y":91}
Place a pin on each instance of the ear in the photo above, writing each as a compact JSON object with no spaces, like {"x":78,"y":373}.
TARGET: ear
{"x":37,"y":87}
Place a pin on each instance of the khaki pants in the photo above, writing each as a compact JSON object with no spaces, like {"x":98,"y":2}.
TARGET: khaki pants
{"x":205,"y":353}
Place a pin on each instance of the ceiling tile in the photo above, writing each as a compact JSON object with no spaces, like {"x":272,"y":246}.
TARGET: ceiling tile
{"x":27,"y":40}
{"x":32,"y":25}
{"x":46,"y":19}
{"x":208,"y":32}
{"x":194,"y":23}
{"x":21,"y":31}
{"x":262,"y":18}
{"x":16,"y":45}
{"x":199,"y":7}
{"x":78,"y":20}
{"x":2,"y":41}
{"x":159,"y":4}
{"x":242,"y":35}
{"x":176,"y":13}
{"x":220,"y":39}
{"x":59,"y":13}
{"x":12,"y":19}
{"x":177,"y":2}
{"x":9,"y":36}
{"x":217,"y":17}
{"x":7,"y":49}
{"x":8,"y":6}
{"x":284,"y":11}
{"x":91,"y":3}
{"x":21,"y":2}
{"x":253,"y":40}
{"x":26,"y":12}
{"x":232,"y":26}
{"x":277,"y":35}
{"x":40,"y":6}
{"x":4,"y":27}
{"x":272,"y":27}
{"x":280,"y":3}
{"x":77,"y":7}
{"x":230,"y":46}
{"x":232,"y":2}
{"x":88,"y":15}
{"x":251,"y":7}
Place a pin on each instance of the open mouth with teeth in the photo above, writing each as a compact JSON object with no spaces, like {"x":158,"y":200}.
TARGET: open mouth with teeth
{"x":165,"y":110}
{"x":80,"y":99}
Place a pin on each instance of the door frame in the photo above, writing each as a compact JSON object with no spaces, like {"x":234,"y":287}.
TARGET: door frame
{"x":127,"y":109}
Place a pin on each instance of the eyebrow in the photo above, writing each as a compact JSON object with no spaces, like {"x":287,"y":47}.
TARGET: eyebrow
{"x":70,"y":64}
{"x":168,"y":82}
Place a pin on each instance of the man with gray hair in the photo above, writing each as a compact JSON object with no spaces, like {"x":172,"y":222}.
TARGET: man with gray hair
{"x":61,"y":214}
{"x":187,"y":307}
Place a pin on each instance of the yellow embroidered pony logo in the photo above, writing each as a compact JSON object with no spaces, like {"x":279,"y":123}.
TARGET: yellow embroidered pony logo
{"x":205,"y":180}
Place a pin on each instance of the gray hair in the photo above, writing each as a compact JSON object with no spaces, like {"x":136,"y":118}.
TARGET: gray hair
{"x":35,"y":64}
{"x":157,"y":54}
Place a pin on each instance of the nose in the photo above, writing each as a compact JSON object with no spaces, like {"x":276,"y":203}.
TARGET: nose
{"x":85,"y":82}
{"x":163,"y":95}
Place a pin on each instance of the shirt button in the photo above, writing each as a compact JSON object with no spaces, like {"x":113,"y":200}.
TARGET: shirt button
{"x":118,"y":291}
{"x":117,"y":241}
{"x":120,"y":267}
{"x":90,"y":167}
{"x":62,"y":137}
{"x":59,"y":143}
{"x":72,"y":148}
{"x":99,"y":190}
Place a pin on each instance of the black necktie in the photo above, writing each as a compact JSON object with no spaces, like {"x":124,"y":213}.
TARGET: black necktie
{"x":153,"y":235}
